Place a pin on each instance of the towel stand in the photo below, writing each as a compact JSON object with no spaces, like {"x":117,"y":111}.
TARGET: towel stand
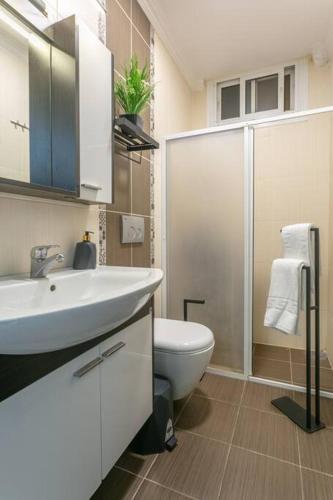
{"x":303,"y":417}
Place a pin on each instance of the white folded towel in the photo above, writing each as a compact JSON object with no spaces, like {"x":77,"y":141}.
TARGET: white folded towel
{"x":297,"y":244}
{"x":284,"y":298}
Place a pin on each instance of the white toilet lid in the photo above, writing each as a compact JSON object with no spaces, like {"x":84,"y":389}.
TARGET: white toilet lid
{"x":181,"y":336}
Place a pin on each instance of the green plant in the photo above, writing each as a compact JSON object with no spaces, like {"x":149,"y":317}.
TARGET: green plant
{"x":134,"y":92}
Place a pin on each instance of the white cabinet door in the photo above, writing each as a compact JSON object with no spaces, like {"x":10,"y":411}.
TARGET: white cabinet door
{"x":95,"y":91}
{"x":50,"y":436}
{"x":126,"y":388}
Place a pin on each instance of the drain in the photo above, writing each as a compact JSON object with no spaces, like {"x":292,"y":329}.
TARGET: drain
{"x":52,"y":288}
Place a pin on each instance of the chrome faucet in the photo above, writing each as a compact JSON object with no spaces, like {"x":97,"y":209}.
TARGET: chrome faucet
{"x":41,"y":263}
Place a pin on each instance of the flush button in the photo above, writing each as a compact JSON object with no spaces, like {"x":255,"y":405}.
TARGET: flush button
{"x":133,"y":229}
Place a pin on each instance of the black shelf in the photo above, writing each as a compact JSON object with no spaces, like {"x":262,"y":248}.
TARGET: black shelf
{"x":132,"y":137}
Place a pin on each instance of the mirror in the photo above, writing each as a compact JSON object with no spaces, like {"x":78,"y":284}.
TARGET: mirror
{"x":38,"y":144}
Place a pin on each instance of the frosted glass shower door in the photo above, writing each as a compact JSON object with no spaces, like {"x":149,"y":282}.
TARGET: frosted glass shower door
{"x":205,"y":237}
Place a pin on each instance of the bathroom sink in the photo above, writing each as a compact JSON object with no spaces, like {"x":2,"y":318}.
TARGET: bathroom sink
{"x":70,"y":307}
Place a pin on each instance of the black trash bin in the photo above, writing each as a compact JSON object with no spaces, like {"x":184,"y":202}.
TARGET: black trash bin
{"x":157,"y":434}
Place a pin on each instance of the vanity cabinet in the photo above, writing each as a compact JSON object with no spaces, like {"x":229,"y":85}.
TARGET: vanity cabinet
{"x":61,"y":435}
{"x":126,"y":388}
{"x":50,"y":436}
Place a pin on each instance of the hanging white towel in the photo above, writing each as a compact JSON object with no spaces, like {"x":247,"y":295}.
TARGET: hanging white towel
{"x":284,"y":298}
{"x":297,"y":244}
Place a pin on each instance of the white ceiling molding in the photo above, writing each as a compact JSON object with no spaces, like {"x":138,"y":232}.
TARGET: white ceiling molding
{"x":152,"y":11}
{"x":212,"y":39}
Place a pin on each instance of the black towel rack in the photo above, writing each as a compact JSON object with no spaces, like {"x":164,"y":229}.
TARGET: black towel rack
{"x":303,"y":416}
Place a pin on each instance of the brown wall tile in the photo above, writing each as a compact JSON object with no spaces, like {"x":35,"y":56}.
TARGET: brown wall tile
{"x":141,"y":251}
{"x":131,"y":182}
{"x":116,"y":253}
{"x":140,"y":48}
{"x":118,"y":35}
{"x":121,"y":182}
{"x":126,"y":5}
{"x":141,"y":187}
{"x":140,"y":21}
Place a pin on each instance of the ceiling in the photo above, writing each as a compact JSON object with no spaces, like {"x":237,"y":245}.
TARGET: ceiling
{"x":213,"y":38}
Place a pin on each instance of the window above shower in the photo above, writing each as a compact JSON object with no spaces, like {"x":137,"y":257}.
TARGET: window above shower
{"x":259,"y":94}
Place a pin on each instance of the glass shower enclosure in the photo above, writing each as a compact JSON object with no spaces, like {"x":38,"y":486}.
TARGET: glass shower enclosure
{"x":204,"y":251}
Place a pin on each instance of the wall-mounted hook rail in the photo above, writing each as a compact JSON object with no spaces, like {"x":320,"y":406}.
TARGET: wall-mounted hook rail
{"x":22,"y":126}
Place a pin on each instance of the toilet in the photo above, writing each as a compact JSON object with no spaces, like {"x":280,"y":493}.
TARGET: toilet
{"x":182,"y":351}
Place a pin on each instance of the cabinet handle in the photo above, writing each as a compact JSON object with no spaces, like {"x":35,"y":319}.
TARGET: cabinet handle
{"x":113,"y":349}
{"x":94,"y":187}
{"x":89,"y":366}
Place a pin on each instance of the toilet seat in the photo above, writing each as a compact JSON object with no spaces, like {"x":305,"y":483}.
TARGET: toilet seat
{"x":181,"y":337}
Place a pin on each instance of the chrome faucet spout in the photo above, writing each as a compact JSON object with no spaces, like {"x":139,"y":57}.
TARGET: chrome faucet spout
{"x":41,"y":263}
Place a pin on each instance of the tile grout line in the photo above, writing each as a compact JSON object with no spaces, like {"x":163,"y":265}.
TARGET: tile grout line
{"x":243,"y":448}
{"x":130,"y":19}
{"x":183,"y":408}
{"x":300,"y":463}
{"x":231,"y":440}
{"x":291,"y":367}
{"x":144,"y":477}
{"x":171,"y":489}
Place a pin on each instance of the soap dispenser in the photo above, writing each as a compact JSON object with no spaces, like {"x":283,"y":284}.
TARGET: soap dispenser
{"x":85,"y":253}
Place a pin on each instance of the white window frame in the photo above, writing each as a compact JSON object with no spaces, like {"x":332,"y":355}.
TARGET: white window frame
{"x":299,"y":96}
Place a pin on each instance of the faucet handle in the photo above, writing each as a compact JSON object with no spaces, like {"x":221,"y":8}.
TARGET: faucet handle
{"x":40,"y":252}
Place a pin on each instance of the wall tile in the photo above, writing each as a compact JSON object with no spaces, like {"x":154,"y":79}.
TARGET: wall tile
{"x":118,"y":36}
{"x":141,"y":187}
{"x":122,"y":182}
{"x":140,"y":21}
{"x":117,"y":254}
{"x":29,"y":222}
{"x":141,"y":251}
{"x":140,"y":49}
{"x":126,"y":5}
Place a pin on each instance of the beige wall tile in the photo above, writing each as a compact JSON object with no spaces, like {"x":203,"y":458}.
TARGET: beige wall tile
{"x":27,"y":222}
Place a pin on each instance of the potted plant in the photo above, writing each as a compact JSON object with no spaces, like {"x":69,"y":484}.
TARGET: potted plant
{"x":134,"y":92}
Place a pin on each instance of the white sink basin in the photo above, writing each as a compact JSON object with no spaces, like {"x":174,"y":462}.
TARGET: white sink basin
{"x":82,"y":305}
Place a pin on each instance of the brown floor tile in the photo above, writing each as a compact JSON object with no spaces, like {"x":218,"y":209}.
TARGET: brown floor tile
{"x":209,"y":418}
{"x":194,"y":467}
{"x":268,"y":368}
{"x":326,"y":407}
{"x":138,"y":464}
{"x":317,"y":486}
{"x":178,"y":406}
{"x":155,"y":492}
{"x":317,"y":450}
{"x":298,"y":356}
{"x":299,"y":376}
{"x":222,"y":388}
{"x":249,"y":476}
{"x":118,"y":485}
{"x":272,"y":352}
{"x":266,"y":433}
{"x":259,"y":396}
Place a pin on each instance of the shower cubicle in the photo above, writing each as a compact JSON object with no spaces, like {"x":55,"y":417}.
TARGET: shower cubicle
{"x":227,"y":192}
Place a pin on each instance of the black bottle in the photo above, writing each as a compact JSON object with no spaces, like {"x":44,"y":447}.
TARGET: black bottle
{"x":85,"y":253}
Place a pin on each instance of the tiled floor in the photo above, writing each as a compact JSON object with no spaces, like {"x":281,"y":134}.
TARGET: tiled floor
{"x":288,"y":365}
{"x":232,"y":445}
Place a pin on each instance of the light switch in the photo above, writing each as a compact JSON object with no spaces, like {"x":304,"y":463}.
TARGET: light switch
{"x":133,"y":229}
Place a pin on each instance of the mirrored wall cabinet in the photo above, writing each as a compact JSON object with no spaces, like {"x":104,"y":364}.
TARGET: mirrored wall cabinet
{"x":55,"y":110}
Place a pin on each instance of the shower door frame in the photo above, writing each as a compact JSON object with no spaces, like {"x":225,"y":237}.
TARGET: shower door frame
{"x":248,"y":150}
